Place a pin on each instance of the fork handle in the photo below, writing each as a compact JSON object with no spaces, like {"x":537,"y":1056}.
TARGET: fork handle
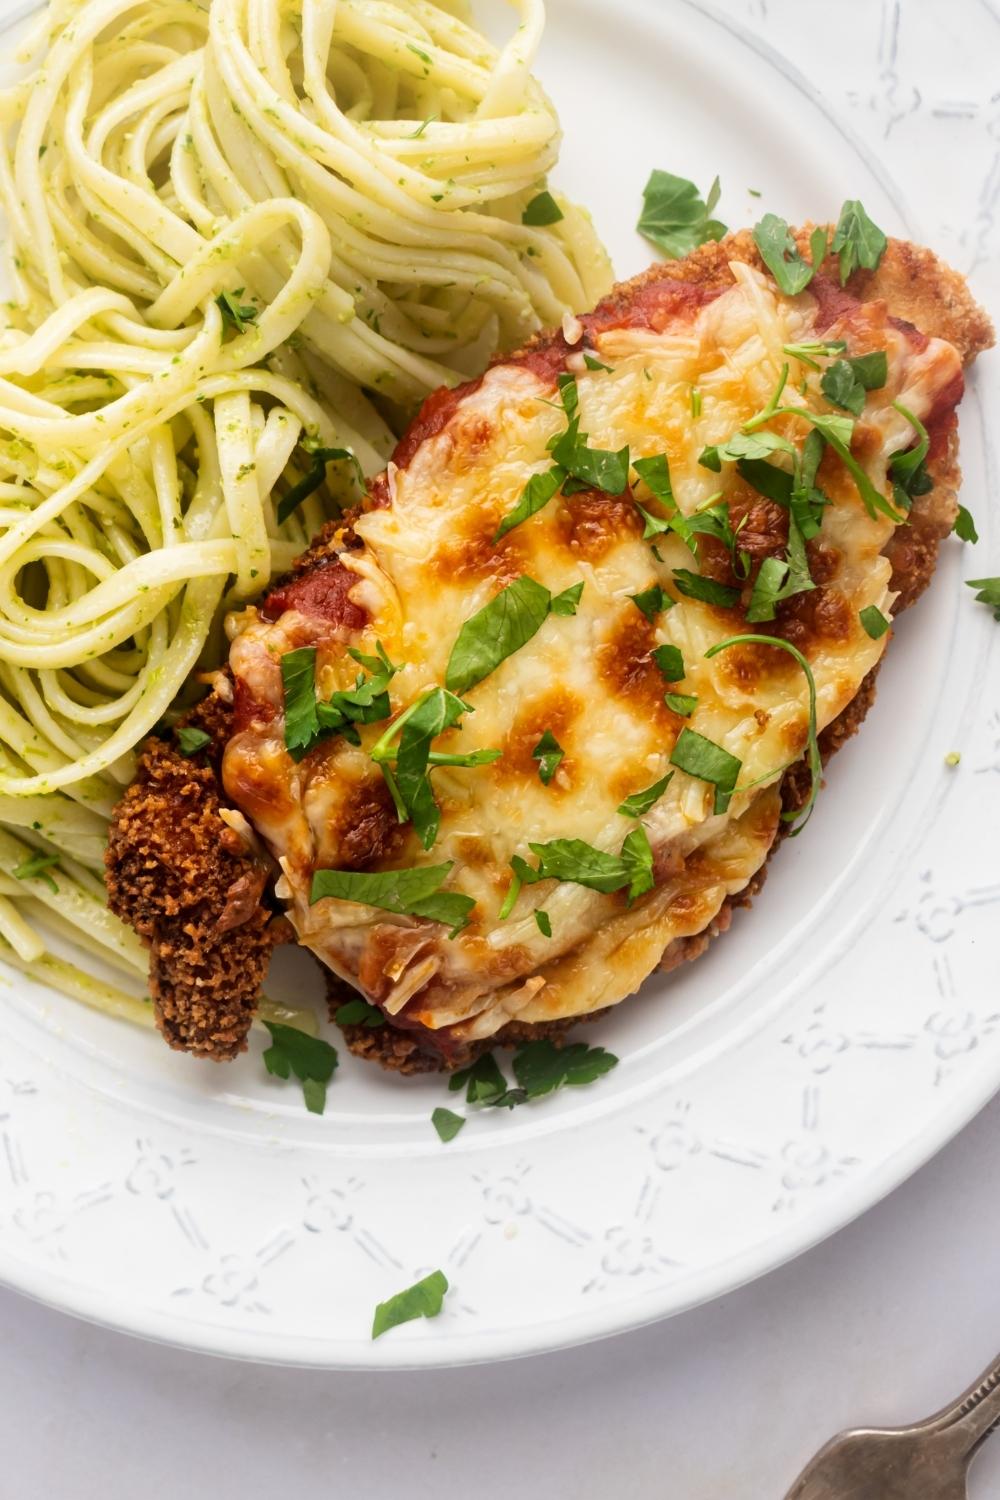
{"x":969,"y":1421}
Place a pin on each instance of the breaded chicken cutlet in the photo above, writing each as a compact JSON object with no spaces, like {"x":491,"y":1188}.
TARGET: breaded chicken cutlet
{"x":604,"y":792}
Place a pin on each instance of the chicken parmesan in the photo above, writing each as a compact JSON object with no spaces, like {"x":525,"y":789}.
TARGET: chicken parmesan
{"x":527,"y":726}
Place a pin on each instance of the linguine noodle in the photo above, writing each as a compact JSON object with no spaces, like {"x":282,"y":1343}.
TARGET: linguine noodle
{"x":236,"y":232}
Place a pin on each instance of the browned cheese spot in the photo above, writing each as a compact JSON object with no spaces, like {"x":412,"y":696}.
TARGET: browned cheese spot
{"x":623,"y":662}
{"x":470,"y":554}
{"x":590,"y":524}
{"x":557,"y":710}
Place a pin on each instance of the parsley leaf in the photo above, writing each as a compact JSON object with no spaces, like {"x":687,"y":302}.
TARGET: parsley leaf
{"x":437,"y":711}
{"x":234,"y":313}
{"x":543,"y":922}
{"x":191,"y":740}
{"x":989,"y":594}
{"x":815,"y":761}
{"x":683,"y":704}
{"x":543,"y":209}
{"x":414,"y":892}
{"x":580,"y":863}
{"x":425,"y":1298}
{"x":704,"y":759}
{"x":965,"y":525}
{"x":675,"y":218}
{"x":311,"y":481}
{"x":639,"y":803}
{"x":807,"y":353}
{"x":447,"y":1123}
{"x":652,"y":601}
{"x":482,"y":1081}
{"x":589,"y":468}
{"x":670,"y":662}
{"x":312,"y":1060}
{"x":359,"y":1013}
{"x":37,"y":868}
{"x":540,"y":1067}
{"x":857,"y":240}
{"x":847,"y":381}
{"x":495,"y":632}
{"x":567,"y":602}
{"x":779,"y":578}
{"x":307,"y":721}
{"x":907,"y":467}
{"x":549,"y":753}
{"x":874,"y":621}
{"x":743,"y":445}
{"x":593,"y":363}
{"x":767,"y":479}
{"x":298,"y":679}
{"x":780,"y":254}
{"x":838,"y":432}
{"x":536,"y":494}
{"x":655,"y":475}
{"x":695,"y":586}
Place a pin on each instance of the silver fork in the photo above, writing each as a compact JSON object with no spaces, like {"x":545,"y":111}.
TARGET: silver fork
{"x":925,"y":1462}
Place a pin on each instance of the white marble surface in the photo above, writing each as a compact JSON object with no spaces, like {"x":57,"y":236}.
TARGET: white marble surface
{"x":880,"y":1324}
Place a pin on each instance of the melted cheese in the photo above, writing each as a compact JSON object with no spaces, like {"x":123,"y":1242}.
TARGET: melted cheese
{"x":428,"y":564}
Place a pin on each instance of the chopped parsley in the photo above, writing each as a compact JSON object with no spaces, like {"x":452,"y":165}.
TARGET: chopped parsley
{"x":809,"y":353}
{"x":568,"y":601}
{"x":989,"y":594}
{"x":537,"y":493}
{"x":447,"y":1123}
{"x":683,"y":704}
{"x":674,"y":216}
{"x":236,"y":314}
{"x":190,"y":740}
{"x":742,"y":446}
{"x":593,"y":363}
{"x":695,"y":586}
{"x":846,"y":382}
{"x":874,"y":621}
{"x":586,"y":467}
{"x":312,"y":1060}
{"x":670,"y":662}
{"x":543,"y":209}
{"x":580,"y":863}
{"x":482,"y":1081}
{"x":639,"y":803}
{"x":779,"y":579}
{"x":414,"y":892}
{"x":540,"y":1067}
{"x":707,"y":761}
{"x":298,"y":679}
{"x":37,"y":868}
{"x":652,"y":601}
{"x":543,"y":922}
{"x":548,"y":753}
{"x":310,"y":482}
{"x":307,"y":721}
{"x":965,"y":526}
{"x":359,"y":1013}
{"x":907,"y":468}
{"x":857,"y":240}
{"x":425,"y":1298}
{"x":404,"y":756}
{"x":815,"y":762}
{"x":780,"y":254}
{"x":496,"y":631}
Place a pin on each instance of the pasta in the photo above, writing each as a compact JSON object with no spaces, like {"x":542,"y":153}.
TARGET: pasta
{"x":239,"y":235}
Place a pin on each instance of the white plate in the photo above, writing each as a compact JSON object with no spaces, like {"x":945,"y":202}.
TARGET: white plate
{"x":822,"y":1051}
